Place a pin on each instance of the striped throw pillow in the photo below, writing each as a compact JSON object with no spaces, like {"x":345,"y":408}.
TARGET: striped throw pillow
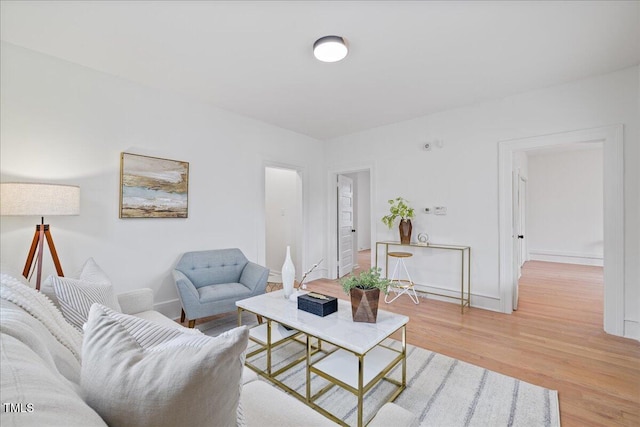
{"x":75,"y":298}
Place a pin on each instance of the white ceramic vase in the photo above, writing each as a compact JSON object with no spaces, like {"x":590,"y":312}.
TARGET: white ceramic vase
{"x":288,"y":274}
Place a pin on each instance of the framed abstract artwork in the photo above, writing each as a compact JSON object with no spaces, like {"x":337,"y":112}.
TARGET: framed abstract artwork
{"x":151,"y":187}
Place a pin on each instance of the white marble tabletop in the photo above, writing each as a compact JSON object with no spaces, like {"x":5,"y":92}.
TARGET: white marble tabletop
{"x":337,"y":328}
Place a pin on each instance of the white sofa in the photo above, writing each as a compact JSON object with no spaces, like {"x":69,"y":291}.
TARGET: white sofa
{"x":40,"y":372}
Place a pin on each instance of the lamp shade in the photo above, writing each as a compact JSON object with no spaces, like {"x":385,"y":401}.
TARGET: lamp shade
{"x":26,"y":198}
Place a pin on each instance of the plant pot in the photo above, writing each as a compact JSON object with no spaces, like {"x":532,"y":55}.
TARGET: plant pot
{"x":364,"y":304}
{"x":405,"y":231}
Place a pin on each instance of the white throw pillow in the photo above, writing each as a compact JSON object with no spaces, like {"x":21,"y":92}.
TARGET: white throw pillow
{"x":76,"y":297}
{"x":139,"y":373}
{"x":91,"y":272}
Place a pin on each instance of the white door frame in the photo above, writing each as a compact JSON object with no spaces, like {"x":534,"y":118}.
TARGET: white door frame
{"x":332,"y":208}
{"x":612,"y":138}
{"x":301,"y":240}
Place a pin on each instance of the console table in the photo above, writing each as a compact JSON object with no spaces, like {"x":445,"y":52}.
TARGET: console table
{"x":465,"y":271}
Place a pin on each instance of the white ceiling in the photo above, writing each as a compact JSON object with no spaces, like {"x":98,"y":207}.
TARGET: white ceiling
{"x":406,"y":59}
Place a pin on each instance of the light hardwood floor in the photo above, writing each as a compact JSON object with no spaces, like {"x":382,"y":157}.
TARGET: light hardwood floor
{"x":554,"y":340}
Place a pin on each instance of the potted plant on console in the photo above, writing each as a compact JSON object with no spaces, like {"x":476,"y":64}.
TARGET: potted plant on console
{"x":364,"y":290}
{"x":400,"y":209}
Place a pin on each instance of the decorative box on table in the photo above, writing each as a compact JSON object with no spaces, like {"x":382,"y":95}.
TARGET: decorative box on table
{"x":320,"y":305}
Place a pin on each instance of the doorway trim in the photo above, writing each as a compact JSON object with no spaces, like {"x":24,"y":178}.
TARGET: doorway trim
{"x":332,"y":207}
{"x":612,"y":138}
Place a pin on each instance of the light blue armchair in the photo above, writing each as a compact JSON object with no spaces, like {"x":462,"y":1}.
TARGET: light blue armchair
{"x":210,"y":282}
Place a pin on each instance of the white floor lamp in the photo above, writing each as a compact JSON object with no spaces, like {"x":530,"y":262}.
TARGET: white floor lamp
{"x":25,"y":198}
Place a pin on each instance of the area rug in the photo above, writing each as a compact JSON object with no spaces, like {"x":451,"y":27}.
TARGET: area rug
{"x":441,"y":391}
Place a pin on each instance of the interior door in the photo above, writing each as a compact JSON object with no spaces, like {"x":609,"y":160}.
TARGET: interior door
{"x":518,"y":231}
{"x":522,"y":208}
{"x":345,"y":225}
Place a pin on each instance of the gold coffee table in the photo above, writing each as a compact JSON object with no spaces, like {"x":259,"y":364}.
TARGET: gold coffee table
{"x":357,"y":362}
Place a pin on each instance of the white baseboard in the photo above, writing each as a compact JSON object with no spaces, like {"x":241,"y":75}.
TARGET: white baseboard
{"x":566,"y":257}
{"x":319,"y":273}
{"x":632,"y":329}
{"x":484,"y":302}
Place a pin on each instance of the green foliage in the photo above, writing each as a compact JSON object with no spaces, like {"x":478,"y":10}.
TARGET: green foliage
{"x":398,"y":209}
{"x":369,"y":279}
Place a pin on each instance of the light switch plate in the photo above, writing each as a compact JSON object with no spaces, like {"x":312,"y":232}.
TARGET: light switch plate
{"x":440,"y":210}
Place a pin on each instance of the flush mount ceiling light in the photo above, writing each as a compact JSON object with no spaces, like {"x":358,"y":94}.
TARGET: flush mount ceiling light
{"x":330,"y":49}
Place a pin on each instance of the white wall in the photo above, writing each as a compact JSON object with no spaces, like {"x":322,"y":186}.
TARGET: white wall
{"x":283,"y":217}
{"x":64,"y":123}
{"x":463,"y":174}
{"x":565,"y":207}
{"x":364,"y":210}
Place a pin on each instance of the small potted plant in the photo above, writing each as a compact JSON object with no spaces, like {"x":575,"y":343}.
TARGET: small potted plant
{"x":364,"y":290}
{"x":400,"y":209}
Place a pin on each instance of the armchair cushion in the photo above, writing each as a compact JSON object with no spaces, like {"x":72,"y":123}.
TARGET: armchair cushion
{"x":220,"y":293}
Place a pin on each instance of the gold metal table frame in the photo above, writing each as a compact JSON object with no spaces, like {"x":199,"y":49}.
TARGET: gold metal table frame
{"x":362,"y":386}
{"x":465,"y":271}
{"x":325,"y":366}
{"x":267,"y":342}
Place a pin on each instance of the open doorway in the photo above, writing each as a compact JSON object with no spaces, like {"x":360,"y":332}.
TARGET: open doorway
{"x":566,"y":205}
{"x":558,"y":209}
{"x":611,"y":138}
{"x":283,"y":217}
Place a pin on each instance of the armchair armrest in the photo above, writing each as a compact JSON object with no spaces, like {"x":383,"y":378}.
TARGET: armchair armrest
{"x":254,"y":277}
{"x":187,"y":293}
{"x":136,"y":301}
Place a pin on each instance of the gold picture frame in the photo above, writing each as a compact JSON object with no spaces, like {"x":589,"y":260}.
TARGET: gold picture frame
{"x":152,"y":187}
